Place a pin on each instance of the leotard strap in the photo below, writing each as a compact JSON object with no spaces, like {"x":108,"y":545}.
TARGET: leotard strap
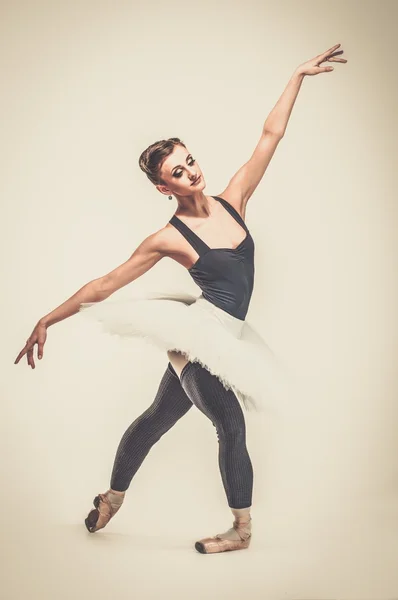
{"x":195,"y":241}
{"x":232,"y":211}
{"x":199,"y":245}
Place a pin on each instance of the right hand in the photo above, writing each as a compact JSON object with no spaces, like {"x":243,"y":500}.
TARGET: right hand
{"x":38,"y":336}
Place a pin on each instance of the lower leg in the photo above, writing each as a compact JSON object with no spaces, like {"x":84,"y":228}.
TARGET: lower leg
{"x":222,"y":407}
{"x":170,"y":404}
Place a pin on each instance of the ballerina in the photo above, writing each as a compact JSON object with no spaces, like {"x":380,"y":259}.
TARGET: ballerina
{"x":216,"y":361}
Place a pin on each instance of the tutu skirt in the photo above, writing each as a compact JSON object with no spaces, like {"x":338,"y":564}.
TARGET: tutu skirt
{"x":227,"y":347}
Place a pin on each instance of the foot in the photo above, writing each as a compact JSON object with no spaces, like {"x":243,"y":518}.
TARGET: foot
{"x":106,"y":506}
{"x":236,"y":538}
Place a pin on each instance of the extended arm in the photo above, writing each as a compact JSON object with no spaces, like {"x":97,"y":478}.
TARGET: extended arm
{"x":146,"y":255}
{"x":245,"y":181}
{"x":247,"y":178}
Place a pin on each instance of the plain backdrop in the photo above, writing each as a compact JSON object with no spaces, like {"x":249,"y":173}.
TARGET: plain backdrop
{"x":86,"y":87}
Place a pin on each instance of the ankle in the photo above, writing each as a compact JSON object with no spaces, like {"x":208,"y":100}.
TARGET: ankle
{"x":111,"y":491}
{"x":114,"y":497}
{"x":242,"y":515}
{"x":242,"y":527}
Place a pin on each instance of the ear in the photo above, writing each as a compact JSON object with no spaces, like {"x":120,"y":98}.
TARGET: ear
{"x":163,"y":190}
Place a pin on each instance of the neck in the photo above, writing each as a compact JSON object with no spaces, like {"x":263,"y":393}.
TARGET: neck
{"x":195,"y":205}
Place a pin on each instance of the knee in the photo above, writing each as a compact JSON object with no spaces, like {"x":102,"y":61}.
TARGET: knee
{"x":231,"y":432}
{"x":149,"y":426}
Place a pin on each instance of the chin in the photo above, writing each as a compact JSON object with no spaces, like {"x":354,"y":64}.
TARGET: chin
{"x":201,"y":185}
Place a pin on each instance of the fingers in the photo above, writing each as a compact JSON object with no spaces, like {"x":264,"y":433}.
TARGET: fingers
{"x":330,"y":51}
{"x":331,"y":56}
{"x":37,"y":337}
{"x":28,"y":350}
{"x":21,"y":354}
{"x":30,"y":358}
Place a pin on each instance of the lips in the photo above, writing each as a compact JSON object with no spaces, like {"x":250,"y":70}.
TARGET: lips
{"x":196,"y":180}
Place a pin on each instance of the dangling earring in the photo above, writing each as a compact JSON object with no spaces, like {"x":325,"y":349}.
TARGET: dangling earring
{"x":170,"y":197}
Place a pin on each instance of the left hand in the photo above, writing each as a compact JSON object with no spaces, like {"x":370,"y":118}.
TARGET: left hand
{"x":311,"y":67}
{"x":38,"y":336}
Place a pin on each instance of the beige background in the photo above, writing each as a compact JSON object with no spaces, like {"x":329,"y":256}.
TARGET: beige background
{"x":86,"y":86}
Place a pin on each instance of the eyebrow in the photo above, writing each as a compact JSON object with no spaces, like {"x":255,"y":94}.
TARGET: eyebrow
{"x":180,"y":166}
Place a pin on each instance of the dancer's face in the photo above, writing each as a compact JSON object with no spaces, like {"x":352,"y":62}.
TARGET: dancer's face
{"x":179,"y":172}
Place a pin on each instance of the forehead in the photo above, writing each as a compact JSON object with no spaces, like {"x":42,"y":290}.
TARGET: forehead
{"x":177,"y":157}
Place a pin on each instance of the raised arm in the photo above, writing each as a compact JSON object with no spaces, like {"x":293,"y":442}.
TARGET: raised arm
{"x":146,"y":255}
{"x":247,"y":178}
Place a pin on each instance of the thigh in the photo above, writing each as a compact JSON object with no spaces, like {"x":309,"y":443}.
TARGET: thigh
{"x":178,"y":360}
{"x":169,"y":405}
{"x":171,"y":398}
{"x":209,"y":395}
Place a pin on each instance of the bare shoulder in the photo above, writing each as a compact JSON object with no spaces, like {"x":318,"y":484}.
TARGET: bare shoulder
{"x":165,"y":240}
{"x":233,"y":197}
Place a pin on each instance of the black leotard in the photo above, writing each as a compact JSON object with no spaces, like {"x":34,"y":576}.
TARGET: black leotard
{"x":225,"y":275}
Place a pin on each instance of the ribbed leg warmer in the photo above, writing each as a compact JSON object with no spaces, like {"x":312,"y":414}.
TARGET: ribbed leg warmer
{"x":170,"y":404}
{"x":175,"y":396}
{"x":222,"y":407}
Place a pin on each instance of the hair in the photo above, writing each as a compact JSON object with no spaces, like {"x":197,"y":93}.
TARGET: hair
{"x":152,"y":158}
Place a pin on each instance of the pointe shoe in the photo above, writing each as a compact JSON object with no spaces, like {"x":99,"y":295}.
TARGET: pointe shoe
{"x":212,"y":545}
{"x":105,"y":508}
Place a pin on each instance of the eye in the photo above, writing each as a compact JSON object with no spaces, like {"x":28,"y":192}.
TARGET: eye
{"x":190,"y":163}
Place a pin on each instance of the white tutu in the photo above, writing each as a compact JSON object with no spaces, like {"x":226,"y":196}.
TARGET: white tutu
{"x":226,"y":346}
